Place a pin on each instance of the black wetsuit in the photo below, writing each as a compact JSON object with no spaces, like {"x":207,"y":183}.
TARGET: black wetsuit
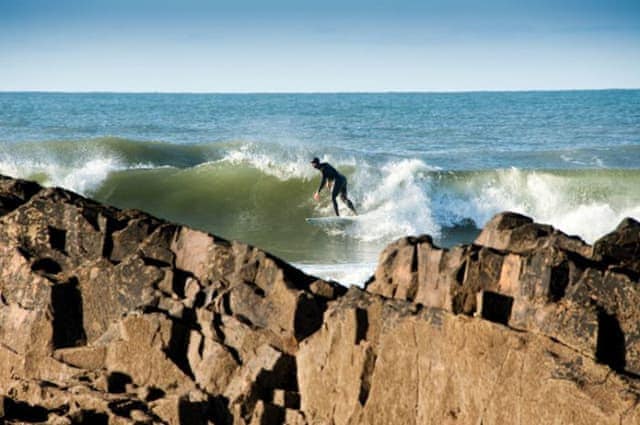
{"x":339,"y":185}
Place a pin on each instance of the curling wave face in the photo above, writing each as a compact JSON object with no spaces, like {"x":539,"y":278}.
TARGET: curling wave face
{"x":260,"y":193}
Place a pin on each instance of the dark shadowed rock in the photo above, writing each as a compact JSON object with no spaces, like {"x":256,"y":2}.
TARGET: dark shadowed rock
{"x":622,"y":246}
{"x":15,"y":192}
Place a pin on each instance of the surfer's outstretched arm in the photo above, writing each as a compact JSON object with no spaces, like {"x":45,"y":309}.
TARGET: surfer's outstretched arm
{"x":322,"y":183}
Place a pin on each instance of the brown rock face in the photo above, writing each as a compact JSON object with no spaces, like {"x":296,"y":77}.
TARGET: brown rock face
{"x":118,"y":317}
{"x":529,"y":277}
{"x":110,"y":316}
{"x":422,"y":365}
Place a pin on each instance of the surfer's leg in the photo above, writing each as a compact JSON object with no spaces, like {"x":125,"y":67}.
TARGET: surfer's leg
{"x":343,"y":196}
{"x":335,"y":205}
{"x":334,"y":194}
{"x":351,"y":207}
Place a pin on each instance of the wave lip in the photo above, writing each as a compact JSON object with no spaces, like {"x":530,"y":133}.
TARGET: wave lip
{"x":82,"y":177}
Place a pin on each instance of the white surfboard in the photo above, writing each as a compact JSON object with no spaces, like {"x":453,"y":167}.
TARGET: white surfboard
{"x":330,"y":221}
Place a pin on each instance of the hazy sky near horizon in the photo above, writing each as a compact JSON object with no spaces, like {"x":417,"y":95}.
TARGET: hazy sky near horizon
{"x":330,"y":45}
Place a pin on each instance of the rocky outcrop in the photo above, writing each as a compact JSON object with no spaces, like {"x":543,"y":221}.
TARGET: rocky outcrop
{"x":110,"y":316}
{"x":115,"y":316}
{"x":409,"y":364}
{"x":621,"y":246}
{"x":530,"y":277}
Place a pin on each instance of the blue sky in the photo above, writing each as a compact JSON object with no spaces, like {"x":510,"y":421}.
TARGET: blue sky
{"x":267,"y":46}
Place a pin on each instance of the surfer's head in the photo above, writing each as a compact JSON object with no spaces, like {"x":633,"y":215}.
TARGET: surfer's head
{"x":315,"y":162}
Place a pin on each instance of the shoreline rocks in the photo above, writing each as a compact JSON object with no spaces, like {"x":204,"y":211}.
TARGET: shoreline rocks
{"x":112,"y":316}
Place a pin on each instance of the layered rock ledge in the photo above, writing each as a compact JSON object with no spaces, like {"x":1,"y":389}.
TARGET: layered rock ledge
{"x":113,"y":316}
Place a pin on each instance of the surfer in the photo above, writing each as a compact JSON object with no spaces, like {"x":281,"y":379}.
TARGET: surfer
{"x":331,"y":175}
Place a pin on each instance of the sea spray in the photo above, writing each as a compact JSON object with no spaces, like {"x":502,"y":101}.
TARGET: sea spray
{"x":281,"y":163}
{"x":84,"y":177}
{"x":393,"y":201}
{"x":587,"y":203}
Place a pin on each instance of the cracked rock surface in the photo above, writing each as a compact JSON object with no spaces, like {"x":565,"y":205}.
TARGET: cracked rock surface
{"x":113,"y":316}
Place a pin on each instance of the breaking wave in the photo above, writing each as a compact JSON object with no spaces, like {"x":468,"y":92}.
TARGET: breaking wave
{"x":253,"y":192}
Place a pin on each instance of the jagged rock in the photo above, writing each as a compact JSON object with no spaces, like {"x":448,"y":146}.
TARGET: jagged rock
{"x":396,"y":274}
{"x":152,"y":351}
{"x":255,"y":382}
{"x":530,"y":277}
{"x":615,"y":301}
{"x":498,"y":232}
{"x":518,"y":234}
{"x":88,"y":358}
{"x":294,"y":417}
{"x":283,"y":398}
{"x":622,"y":246}
{"x":110,"y":316}
{"x":15,"y":192}
{"x":143,"y":310}
{"x":211,"y":363}
{"x":183,"y":409}
{"x":267,"y":414}
{"x":441,"y":278}
{"x":378,"y":361}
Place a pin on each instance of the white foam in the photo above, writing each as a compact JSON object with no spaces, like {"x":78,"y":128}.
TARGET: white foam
{"x":282,"y":165}
{"x":394,"y":201}
{"x":592,"y":221}
{"x":546,"y":197}
{"x":349,"y":274}
{"x":80,"y":175}
{"x":394,"y":198}
{"x":593,"y":161}
{"x":391,"y":199}
{"x":89,"y":176}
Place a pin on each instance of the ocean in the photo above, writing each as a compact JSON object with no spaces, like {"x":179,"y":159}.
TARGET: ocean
{"x":237,"y":165}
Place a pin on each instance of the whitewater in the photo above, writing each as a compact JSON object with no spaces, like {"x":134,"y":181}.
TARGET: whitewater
{"x":238,"y":165}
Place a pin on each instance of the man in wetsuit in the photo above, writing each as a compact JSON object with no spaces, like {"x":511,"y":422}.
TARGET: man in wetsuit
{"x":330,"y":175}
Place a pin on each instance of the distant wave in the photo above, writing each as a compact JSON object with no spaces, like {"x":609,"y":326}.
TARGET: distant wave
{"x":251,"y":189}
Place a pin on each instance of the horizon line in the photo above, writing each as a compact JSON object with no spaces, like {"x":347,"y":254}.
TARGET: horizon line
{"x":249,"y":92}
